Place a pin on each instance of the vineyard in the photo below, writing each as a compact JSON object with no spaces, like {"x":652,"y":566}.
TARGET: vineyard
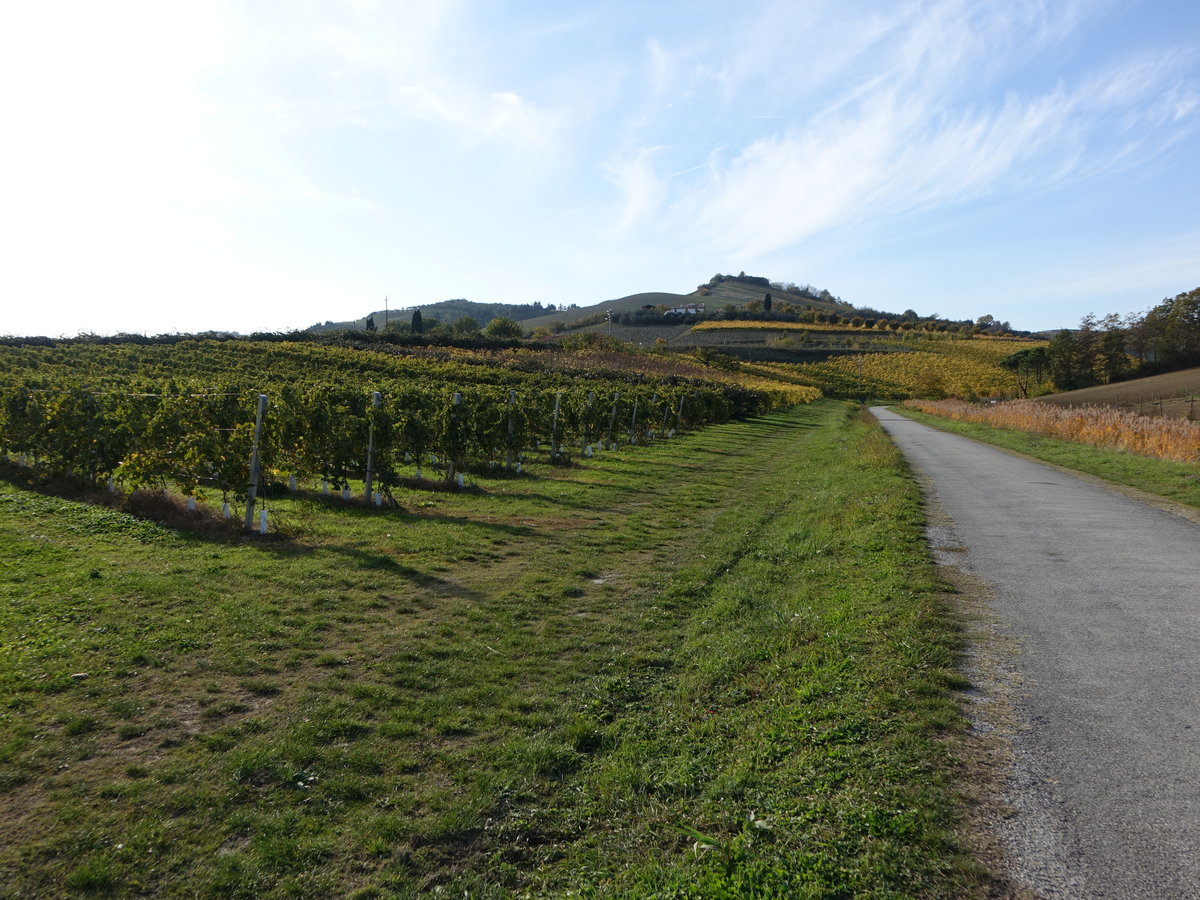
{"x":932,"y":368}
{"x":199,"y":416}
{"x":1157,"y":437}
{"x":740,"y":324}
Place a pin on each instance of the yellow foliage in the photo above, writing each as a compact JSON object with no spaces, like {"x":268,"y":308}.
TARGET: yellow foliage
{"x":933,"y":368}
{"x":1161,"y":438}
{"x":723,"y":324}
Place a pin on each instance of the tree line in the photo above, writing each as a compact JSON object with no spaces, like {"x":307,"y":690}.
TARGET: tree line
{"x":1104,"y":350}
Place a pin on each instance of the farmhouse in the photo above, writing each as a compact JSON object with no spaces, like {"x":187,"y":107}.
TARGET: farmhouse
{"x":689,"y":309}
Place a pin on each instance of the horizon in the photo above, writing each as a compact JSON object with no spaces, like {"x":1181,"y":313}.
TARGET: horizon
{"x":235,"y":168}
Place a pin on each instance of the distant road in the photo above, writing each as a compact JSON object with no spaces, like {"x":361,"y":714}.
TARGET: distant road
{"x":1103,"y":594}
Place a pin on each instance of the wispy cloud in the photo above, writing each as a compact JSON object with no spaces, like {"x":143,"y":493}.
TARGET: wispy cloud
{"x":478,"y":115}
{"x":640,"y":188}
{"x":930,"y":124}
{"x":378,"y":65}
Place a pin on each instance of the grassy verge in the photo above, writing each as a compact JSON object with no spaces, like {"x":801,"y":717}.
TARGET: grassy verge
{"x":715,"y":667}
{"x":1174,"y":480}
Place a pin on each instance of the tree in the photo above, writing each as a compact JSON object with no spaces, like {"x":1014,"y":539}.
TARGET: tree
{"x":502,"y":327}
{"x":1029,"y":365}
{"x":417,"y":325}
{"x":1169,"y":334}
{"x":1070,"y":366}
{"x":370,"y":323}
{"x":766,"y":302}
{"x":465,"y":325}
{"x":1113,"y":357}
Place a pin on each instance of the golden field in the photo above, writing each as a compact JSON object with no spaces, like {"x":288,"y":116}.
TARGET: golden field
{"x":1161,"y":438}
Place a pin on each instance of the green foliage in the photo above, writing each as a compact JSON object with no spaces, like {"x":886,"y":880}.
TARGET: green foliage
{"x":1168,"y":336}
{"x":503,"y":327}
{"x":173,"y":415}
{"x":465,"y":325}
{"x":1029,"y":365}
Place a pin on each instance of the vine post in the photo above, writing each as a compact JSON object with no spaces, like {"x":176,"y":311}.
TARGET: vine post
{"x":554,"y":427}
{"x":452,"y":449}
{"x":252,"y":487}
{"x":508,"y":453}
{"x":612,"y":419}
{"x":587,"y":420}
{"x":370,"y":479}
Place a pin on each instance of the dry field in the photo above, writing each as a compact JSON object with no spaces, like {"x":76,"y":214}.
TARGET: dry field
{"x":1172,"y":395}
{"x":1100,"y":426}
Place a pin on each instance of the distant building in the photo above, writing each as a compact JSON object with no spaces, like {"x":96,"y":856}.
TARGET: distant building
{"x":689,"y":309}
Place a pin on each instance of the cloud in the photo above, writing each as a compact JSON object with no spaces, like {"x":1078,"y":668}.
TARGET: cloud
{"x":480,"y":116}
{"x":931,"y":124}
{"x":381,"y":66}
{"x":641,"y":190}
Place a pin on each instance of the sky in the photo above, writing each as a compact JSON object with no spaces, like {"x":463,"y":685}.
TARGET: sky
{"x":267,"y":165}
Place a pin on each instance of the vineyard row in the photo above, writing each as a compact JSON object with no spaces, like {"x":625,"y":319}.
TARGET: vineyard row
{"x":205,"y":439}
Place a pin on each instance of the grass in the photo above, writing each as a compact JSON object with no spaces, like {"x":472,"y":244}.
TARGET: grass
{"x":714,"y":667}
{"x":1177,"y":481}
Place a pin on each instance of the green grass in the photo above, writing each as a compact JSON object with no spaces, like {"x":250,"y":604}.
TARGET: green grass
{"x":1173,"y":480}
{"x":714,"y":667}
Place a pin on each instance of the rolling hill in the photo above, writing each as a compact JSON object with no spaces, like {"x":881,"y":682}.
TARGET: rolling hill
{"x":1172,"y":394}
{"x":737,"y":291}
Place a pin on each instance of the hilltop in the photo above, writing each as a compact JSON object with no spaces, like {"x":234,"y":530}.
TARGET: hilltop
{"x":722,"y":291}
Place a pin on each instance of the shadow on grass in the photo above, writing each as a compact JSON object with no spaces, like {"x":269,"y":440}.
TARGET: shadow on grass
{"x":373,"y":560}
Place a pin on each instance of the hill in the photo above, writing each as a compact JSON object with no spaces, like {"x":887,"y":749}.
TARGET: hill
{"x":446,"y":311}
{"x":722,"y":291}
{"x":598,"y":311}
{"x":741,"y":291}
{"x":1172,"y":394}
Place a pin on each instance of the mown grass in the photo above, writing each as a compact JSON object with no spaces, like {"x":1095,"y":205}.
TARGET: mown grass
{"x":1178,"y":481}
{"x":714,"y":667}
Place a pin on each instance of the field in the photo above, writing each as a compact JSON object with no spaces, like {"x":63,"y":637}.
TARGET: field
{"x":1172,"y":395}
{"x":931,"y":366}
{"x":705,"y":667}
{"x":1101,"y":426}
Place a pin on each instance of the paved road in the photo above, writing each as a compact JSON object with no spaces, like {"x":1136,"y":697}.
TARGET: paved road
{"x":1102,"y":593}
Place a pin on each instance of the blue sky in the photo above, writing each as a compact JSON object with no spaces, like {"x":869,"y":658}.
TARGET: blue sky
{"x":266,"y":165}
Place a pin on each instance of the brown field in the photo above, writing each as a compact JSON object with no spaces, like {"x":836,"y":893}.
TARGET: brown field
{"x":1173,"y":395}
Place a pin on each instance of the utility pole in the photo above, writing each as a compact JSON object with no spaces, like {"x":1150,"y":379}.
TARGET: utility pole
{"x":385,"y":314}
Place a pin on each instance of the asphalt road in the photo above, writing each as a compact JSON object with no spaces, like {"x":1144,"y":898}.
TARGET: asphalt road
{"x":1102,"y":595}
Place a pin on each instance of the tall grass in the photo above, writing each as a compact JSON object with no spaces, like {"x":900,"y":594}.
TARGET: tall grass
{"x":1159,"y":438}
